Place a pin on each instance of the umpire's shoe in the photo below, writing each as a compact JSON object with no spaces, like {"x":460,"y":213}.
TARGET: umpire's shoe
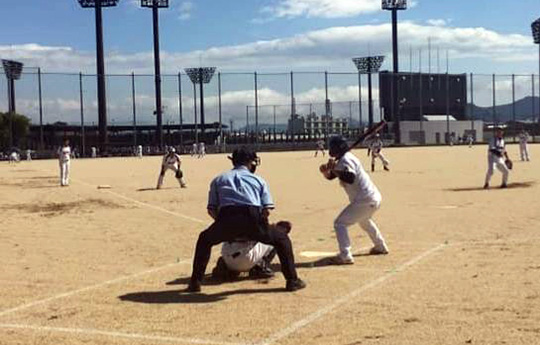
{"x":295,"y":284}
{"x":194,"y":286}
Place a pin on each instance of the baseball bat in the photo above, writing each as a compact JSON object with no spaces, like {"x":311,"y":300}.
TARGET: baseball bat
{"x":370,"y":132}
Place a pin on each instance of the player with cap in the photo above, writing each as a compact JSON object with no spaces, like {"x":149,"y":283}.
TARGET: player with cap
{"x":497,"y":157}
{"x":523,"y":146}
{"x":375,"y":148}
{"x":64,"y":160}
{"x":171,"y":160}
{"x":240,"y":203}
{"x":320,"y":147}
{"x":364,"y":197}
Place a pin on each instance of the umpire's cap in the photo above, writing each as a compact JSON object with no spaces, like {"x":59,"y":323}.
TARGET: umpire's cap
{"x":244,"y":155}
{"x":337,"y":146}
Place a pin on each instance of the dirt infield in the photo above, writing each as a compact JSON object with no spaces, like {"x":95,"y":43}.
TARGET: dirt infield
{"x":82,"y":265}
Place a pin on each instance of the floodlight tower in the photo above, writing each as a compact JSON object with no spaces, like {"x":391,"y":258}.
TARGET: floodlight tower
{"x":368,"y":65}
{"x":13,"y":70}
{"x":394,"y":6}
{"x":201,"y":75}
{"x":100,"y":64}
{"x":155,"y":5}
{"x":535,"y":26}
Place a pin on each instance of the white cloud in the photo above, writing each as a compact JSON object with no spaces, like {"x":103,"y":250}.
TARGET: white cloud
{"x":437,"y":22}
{"x":321,"y":8}
{"x":185,"y":10}
{"x":327,"y":49}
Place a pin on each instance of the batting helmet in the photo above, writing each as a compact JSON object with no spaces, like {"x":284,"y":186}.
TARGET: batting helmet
{"x":337,"y":146}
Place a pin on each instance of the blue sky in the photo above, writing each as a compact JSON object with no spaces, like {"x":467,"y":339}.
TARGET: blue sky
{"x":264,"y":35}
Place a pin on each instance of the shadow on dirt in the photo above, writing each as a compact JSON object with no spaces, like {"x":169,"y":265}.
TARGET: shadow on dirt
{"x":513,"y":185}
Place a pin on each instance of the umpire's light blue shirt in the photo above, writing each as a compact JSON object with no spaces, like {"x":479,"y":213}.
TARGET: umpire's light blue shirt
{"x":239,"y":187}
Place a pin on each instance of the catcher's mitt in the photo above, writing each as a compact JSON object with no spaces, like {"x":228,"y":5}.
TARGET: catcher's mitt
{"x":509,"y":164}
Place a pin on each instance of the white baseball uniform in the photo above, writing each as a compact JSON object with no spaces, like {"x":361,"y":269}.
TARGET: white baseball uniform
{"x":14,"y":157}
{"x":320,"y":147}
{"x":94,"y":152}
{"x":194,"y":149}
{"x":243,"y":256}
{"x":202,"y":150}
{"x":365,"y":199}
{"x":375,"y":146}
{"x":171,"y":161}
{"x":523,"y":147}
{"x":139,"y":151}
{"x":28,"y":155}
{"x":496,"y":152}
{"x":64,"y":158}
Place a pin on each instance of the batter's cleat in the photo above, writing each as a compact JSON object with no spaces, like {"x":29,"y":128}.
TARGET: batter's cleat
{"x":372,"y":168}
{"x":183,"y":185}
{"x":194,"y":286}
{"x":486,"y":186}
{"x":386,"y":168}
{"x":295,"y":284}
{"x":378,"y":251}
{"x":340,"y":260}
{"x":504,"y":185}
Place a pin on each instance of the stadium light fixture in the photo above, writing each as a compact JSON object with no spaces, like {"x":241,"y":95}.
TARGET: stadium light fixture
{"x":155,"y":5}
{"x":13,"y":70}
{"x":394,"y":6}
{"x":369,"y":65}
{"x":100,"y":64}
{"x":201,"y":76}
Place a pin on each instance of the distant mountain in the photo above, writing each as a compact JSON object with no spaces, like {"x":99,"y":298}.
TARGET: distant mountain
{"x":504,"y":112}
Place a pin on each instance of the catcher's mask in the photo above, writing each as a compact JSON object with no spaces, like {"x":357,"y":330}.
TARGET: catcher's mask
{"x":245,"y":156}
{"x":337,"y":146}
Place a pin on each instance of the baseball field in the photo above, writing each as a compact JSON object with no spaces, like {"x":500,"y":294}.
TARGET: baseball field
{"x":82,"y":265}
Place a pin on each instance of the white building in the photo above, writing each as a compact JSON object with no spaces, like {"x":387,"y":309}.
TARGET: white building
{"x":437,"y":129}
{"x":317,"y":125}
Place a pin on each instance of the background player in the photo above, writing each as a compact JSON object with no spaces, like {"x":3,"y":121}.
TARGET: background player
{"x":28,"y":155}
{"x":14,"y":157}
{"x":202,"y":150}
{"x":496,"y":158}
{"x":64,"y":158}
{"x":139,"y":151}
{"x":365,"y":200}
{"x":247,"y":256}
{"x":375,"y":148}
{"x":523,"y":146}
{"x":320,"y":147}
{"x":171,"y":161}
{"x":194,"y":149}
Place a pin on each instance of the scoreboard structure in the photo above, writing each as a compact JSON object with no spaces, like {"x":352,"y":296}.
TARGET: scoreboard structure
{"x":420,"y":94}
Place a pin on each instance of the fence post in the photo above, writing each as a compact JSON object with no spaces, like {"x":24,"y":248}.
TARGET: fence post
{"x":449,"y":138}
{"x":326,"y":107}
{"x":532,"y":98}
{"x":247,"y":123}
{"x":195,"y":112}
{"x":472,"y":103}
{"x":219,"y":110}
{"x":359,"y":100}
{"x":134,"y":109}
{"x":256,"y":110}
{"x":40,"y":100}
{"x":494,"y":101}
{"x":293,"y":110}
{"x":83,"y":144}
{"x":180,"y":111}
{"x":514,"y":104}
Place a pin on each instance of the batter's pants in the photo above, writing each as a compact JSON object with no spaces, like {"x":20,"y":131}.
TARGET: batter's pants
{"x":64,"y":173}
{"x":358,"y":213}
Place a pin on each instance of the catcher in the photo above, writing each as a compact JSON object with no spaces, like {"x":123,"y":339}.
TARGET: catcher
{"x":498,"y":157}
{"x":365,"y":200}
{"x":244,"y":255}
{"x":171,"y":160}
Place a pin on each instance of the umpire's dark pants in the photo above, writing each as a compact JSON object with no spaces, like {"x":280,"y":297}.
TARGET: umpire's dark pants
{"x":246,"y":222}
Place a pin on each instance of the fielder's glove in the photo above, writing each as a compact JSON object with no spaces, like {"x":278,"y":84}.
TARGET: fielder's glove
{"x":509,"y":164}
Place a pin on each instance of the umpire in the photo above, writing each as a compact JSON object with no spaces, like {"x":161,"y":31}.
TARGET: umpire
{"x":239,"y":202}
